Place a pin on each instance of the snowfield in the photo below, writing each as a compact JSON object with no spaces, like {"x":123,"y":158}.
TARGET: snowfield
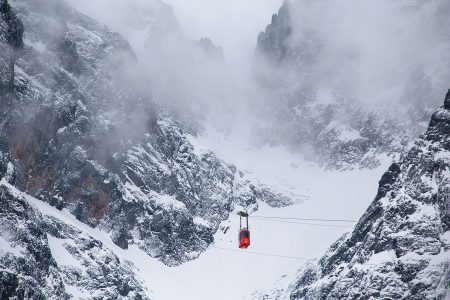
{"x":277,"y":248}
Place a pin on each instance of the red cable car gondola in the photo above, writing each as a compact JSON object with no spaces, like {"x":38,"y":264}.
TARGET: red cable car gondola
{"x":244,"y":232}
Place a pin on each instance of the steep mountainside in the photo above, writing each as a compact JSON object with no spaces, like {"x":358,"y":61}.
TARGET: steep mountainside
{"x":79,"y":131}
{"x":189,"y":78}
{"x":400,"y":248}
{"x":343,"y":99}
{"x":33,"y":265}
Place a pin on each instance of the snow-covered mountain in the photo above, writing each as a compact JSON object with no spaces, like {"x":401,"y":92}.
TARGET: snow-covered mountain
{"x":80,"y":132}
{"x":346,"y":82}
{"x":107,"y":191}
{"x":400,"y":248}
{"x":42,"y":257}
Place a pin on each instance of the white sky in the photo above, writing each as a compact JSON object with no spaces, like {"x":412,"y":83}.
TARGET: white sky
{"x":232,"y":24}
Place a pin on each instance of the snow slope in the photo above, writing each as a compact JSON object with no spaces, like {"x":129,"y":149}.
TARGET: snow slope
{"x":223,"y":271}
{"x":327,"y":194}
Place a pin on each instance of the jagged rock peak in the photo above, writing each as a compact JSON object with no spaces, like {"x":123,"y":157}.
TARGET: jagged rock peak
{"x":207,"y":45}
{"x":447,"y":100}
{"x":272,"y":41}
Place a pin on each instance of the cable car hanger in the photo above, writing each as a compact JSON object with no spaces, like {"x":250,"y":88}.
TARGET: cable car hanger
{"x":244,"y":232}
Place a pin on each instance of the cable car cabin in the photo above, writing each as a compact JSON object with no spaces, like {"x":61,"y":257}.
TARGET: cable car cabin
{"x":244,"y":232}
{"x":244,"y":238}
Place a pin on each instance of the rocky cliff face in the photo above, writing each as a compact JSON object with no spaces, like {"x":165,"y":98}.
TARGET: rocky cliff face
{"x":42,"y":257}
{"x":311,"y":99}
{"x":11,"y":31}
{"x":400,"y":248}
{"x":81,"y":133}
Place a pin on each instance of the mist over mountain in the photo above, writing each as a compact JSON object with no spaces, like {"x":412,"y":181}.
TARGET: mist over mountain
{"x":188,"y":77}
{"x":128,"y":148}
{"x":350,"y":80}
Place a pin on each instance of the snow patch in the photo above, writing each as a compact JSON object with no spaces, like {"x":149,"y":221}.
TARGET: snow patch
{"x":60,"y":253}
{"x":201,"y":222}
{"x":167,"y":202}
{"x":6,"y":247}
{"x":382,"y":257}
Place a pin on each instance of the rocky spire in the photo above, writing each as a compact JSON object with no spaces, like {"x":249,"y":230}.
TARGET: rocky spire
{"x":447,"y":100}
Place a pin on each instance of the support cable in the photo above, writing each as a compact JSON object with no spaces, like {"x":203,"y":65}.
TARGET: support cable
{"x":305,"y":219}
{"x":306,"y":223}
{"x":264,"y":254}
